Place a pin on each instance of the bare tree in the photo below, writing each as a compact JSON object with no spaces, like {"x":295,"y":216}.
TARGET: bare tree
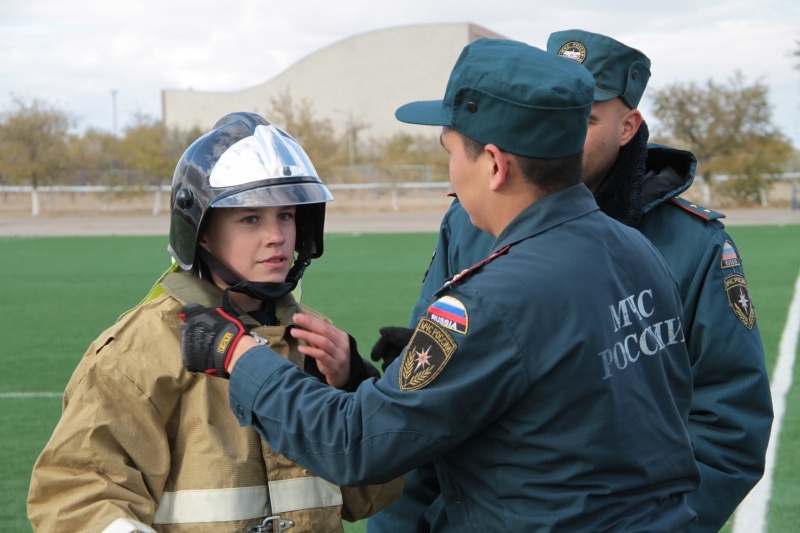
{"x":796,"y":54}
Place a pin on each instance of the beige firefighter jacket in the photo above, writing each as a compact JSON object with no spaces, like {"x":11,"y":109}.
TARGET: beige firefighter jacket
{"x":143,"y":443}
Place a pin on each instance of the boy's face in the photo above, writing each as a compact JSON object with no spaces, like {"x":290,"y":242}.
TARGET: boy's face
{"x":255,"y":243}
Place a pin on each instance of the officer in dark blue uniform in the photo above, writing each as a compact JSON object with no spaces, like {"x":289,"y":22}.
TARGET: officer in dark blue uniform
{"x":550,"y":384}
{"x":638,"y":184}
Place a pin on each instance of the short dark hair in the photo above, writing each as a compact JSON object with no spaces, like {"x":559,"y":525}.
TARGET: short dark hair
{"x":550,"y":175}
{"x":472,"y":148}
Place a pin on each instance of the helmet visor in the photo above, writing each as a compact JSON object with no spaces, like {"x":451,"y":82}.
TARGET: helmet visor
{"x":276,"y":194}
{"x":268,"y":153}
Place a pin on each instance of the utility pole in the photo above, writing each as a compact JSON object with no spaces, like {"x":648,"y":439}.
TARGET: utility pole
{"x":351,"y":129}
{"x":351,"y":141}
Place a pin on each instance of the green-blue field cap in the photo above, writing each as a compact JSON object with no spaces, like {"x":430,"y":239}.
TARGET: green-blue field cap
{"x":618,"y":70}
{"x":515,"y":96}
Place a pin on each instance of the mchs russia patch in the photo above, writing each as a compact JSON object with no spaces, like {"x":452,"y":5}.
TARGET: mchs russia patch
{"x":429,"y":350}
{"x":739,"y":300}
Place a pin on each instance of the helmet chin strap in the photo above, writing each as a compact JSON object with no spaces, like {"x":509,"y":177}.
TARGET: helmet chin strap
{"x":260,"y":290}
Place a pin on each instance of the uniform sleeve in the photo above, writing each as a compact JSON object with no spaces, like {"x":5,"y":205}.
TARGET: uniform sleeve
{"x":103,"y":464}
{"x":731,"y":412}
{"x":424,"y":405}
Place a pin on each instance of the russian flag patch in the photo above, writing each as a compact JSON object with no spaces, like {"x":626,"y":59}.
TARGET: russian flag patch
{"x":449,"y":313}
{"x":730,"y":258}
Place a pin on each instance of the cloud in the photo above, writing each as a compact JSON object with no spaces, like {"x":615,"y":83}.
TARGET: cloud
{"x":73,"y":54}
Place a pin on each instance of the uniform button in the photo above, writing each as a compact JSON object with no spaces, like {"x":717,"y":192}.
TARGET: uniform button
{"x":472,"y":107}
{"x":635,"y":74}
{"x":240,"y":412}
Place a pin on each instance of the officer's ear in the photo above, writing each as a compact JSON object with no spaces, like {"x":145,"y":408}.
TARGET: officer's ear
{"x":629,"y":125}
{"x":499,"y":166}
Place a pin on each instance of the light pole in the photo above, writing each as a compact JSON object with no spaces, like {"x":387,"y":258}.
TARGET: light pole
{"x":114,"y":112}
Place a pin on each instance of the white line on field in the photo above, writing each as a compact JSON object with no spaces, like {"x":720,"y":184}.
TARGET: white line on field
{"x":751,"y":516}
{"x":30,"y":395}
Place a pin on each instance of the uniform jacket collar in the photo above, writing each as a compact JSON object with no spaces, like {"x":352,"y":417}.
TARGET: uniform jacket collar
{"x":552,"y":210}
{"x":669,"y":173}
{"x":644,"y":176}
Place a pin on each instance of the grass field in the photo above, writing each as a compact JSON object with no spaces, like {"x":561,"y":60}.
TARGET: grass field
{"x":60,"y":293}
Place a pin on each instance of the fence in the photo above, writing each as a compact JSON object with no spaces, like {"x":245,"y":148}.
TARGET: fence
{"x":60,"y":199}
{"x":400,"y":196}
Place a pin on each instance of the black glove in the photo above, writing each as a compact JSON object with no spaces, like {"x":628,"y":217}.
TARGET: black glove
{"x":208,"y":338}
{"x":391,"y":344}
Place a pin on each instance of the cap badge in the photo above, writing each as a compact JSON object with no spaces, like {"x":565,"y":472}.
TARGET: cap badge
{"x":573,"y":50}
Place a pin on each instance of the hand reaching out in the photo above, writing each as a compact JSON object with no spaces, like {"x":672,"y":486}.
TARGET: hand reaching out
{"x":328,"y":345}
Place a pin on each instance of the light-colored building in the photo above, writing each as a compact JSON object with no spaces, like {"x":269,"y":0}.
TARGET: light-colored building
{"x":361,"y":79}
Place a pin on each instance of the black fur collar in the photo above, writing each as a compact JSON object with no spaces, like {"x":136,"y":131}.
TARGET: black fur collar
{"x":620,"y":194}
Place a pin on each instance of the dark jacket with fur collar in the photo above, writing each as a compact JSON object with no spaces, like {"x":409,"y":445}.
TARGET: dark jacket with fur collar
{"x":731,"y":412}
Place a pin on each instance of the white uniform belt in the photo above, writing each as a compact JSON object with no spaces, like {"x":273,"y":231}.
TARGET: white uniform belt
{"x":244,"y":503}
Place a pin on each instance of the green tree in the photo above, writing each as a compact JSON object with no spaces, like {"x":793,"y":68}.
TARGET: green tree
{"x":150,"y":150}
{"x":404,"y":157}
{"x":35,"y":145}
{"x":316,"y":136}
{"x":728,"y":127}
{"x":766,"y":156}
{"x":95,"y":153}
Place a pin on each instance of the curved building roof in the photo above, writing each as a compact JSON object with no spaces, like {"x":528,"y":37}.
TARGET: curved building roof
{"x":362,"y":79}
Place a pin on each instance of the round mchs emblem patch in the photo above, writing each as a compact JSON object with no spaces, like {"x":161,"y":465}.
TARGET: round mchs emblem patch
{"x":573,"y":50}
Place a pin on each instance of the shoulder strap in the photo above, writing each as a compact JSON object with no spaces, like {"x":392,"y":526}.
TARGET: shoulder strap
{"x":458,"y":278}
{"x":697,"y":210}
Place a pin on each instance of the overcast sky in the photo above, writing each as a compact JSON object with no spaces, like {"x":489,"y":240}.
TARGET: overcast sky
{"x":75,"y":54}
